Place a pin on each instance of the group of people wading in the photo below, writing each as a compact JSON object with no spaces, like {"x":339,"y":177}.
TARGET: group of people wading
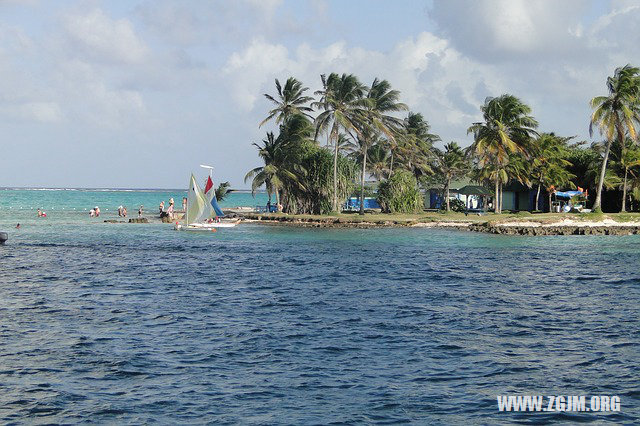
{"x":170,"y":211}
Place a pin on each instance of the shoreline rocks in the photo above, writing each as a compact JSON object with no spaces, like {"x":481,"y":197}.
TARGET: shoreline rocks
{"x":529,"y":229}
{"x":555,"y":230}
{"x":138,"y":220}
{"x":326,"y":222}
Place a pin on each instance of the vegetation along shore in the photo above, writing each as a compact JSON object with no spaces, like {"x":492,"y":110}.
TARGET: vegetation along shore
{"x":349,"y":143}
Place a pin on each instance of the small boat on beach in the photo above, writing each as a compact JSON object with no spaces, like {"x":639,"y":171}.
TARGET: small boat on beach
{"x":203,"y":211}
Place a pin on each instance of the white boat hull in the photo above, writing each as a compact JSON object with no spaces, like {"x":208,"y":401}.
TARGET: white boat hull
{"x":205,"y":226}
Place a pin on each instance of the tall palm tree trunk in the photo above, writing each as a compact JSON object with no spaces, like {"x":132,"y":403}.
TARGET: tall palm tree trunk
{"x":501,"y":196}
{"x":603,"y":170}
{"x":335,"y":179}
{"x":277,"y":191}
{"x":549,"y":201}
{"x":390,"y":166}
{"x":496,"y":205}
{"x":446,"y":192}
{"x":624,"y":191}
{"x":537,"y":197}
{"x":364,"y":170}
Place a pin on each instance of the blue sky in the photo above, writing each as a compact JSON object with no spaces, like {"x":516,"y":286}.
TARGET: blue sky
{"x":139,"y":93}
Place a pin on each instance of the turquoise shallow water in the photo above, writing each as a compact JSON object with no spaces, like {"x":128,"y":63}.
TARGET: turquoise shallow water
{"x":128,"y":323}
{"x":61,"y":204}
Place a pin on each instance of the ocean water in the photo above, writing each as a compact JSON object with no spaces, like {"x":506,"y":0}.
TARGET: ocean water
{"x":134,"y":323}
{"x":55,"y":202}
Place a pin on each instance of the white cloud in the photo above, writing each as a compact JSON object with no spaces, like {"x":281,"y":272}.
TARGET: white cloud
{"x":433,"y":77}
{"x":96,"y":36}
{"x":42,"y":112}
{"x":214,"y":22}
{"x":13,"y":40}
{"x":494,"y":30}
{"x":46,"y":112}
{"x":91,"y":97}
{"x":447,"y":81}
{"x":192,"y":73}
{"x":249,"y":69}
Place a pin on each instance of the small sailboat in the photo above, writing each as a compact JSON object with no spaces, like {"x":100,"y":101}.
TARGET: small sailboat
{"x":203,"y":211}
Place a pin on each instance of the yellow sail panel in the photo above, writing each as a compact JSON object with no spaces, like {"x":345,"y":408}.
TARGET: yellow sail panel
{"x":195,"y":201}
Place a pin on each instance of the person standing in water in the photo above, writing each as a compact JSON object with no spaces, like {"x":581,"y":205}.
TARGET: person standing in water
{"x":170,"y":209}
{"x":140,"y":210}
{"x":184,"y":204}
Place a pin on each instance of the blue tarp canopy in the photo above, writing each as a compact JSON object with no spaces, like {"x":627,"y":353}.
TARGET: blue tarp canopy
{"x":369,"y":203}
{"x":567,"y":194}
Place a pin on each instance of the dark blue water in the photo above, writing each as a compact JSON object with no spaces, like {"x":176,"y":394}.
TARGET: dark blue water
{"x":261,"y":325}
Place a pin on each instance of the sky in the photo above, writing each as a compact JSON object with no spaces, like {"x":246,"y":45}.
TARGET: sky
{"x":138,"y":94}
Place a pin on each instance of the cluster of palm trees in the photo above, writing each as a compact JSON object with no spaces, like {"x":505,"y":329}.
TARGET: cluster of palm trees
{"x":361,"y":129}
{"x":617,"y":115}
{"x":349,"y":131}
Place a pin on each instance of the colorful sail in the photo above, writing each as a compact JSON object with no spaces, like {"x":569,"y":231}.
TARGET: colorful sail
{"x":210,"y":194}
{"x":196,"y":202}
{"x":206,"y":212}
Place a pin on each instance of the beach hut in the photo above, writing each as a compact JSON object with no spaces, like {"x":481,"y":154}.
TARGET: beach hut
{"x":475,"y":193}
{"x":433,"y":197}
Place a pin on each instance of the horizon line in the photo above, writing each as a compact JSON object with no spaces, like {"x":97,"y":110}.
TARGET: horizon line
{"x":63,"y":188}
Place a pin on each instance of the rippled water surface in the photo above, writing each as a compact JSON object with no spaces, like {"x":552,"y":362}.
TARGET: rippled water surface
{"x":126,"y":323}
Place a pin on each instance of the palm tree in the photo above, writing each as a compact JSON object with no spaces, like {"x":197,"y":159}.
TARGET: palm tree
{"x":342,"y":101}
{"x":414,"y":147}
{"x":345,"y":144}
{"x":507,"y":129}
{"x":629,"y":158}
{"x":290,"y":101}
{"x":611,"y":179}
{"x":381,"y":100}
{"x":276,"y":171}
{"x":549,"y":159}
{"x":616,"y":114}
{"x":451,"y":163}
{"x":414,"y":156}
{"x":265,"y":175}
{"x":379,"y":161}
{"x":360,"y":152}
{"x":222,"y":191}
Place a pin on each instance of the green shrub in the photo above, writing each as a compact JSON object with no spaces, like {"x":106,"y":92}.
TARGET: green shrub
{"x":400,"y":194}
{"x":455,"y":205}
